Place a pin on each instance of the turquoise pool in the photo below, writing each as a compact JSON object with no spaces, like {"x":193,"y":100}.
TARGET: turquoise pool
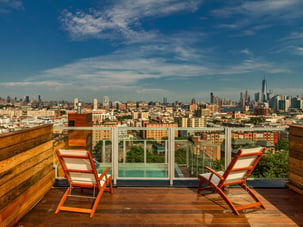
{"x":148,"y":170}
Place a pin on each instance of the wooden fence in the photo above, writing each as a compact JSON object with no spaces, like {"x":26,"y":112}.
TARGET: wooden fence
{"x":296,"y":158}
{"x":26,"y":171}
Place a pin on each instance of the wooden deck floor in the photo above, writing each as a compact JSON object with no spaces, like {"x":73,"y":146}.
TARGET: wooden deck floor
{"x":168,"y":207}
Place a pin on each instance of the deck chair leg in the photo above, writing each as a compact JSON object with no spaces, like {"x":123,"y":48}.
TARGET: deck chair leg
{"x":200,"y":186}
{"x":100,"y":193}
{"x":253,"y":195}
{"x":226,"y":199}
{"x":111,"y":186}
{"x":62,"y":201}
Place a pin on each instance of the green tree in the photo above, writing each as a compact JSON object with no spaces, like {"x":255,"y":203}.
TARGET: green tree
{"x":272,"y":166}
{"x":218,"y":164}
{"x":180,"y":156}
{"x":215,"y":121}
{"x":135,"y":154}
{"x":256,"y":120}
{"x":98,"y":146}
{"x":121,"y":118}
{"x":282,"y":145}
{"x":153,"y":157}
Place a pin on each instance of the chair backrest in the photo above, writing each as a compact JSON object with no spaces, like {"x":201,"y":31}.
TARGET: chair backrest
{"x":242,"y":165}
{"x":79,"y":167}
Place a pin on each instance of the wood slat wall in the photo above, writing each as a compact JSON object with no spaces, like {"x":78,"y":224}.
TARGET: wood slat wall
{"x":26,"y":171}
{"x":296,"y":158}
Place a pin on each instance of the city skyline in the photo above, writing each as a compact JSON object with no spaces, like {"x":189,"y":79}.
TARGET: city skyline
{"x":147,"y":50}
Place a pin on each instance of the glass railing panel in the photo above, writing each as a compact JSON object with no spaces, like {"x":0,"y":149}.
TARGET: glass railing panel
{"x":102,"y":151}
{"x":143,"y":154}
{"x":102,"y":148}
{"x":184,"y":166}
{"x":196,"y":148}
{"x":274,"y":163}
{"x":146,"y":153}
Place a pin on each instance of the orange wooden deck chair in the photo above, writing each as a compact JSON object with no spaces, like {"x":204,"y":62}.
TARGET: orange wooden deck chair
{"x":237,"y":172}
{"x":80,"y":171}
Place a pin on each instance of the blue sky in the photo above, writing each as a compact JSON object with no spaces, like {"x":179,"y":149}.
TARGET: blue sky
{"x":149,"y":49}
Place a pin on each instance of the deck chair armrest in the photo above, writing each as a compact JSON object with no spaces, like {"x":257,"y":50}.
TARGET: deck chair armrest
{"x":213,"y":172}
{"x":104,"y":174}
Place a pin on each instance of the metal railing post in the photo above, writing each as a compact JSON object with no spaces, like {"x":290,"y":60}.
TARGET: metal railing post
{"x":144,"y":151}
{"x":124,"y":151}
{"x":187,"y":154}
{"x":197,"y":160}
{"x":115,"y":149}
{"x":171,"y":151}
{"x":227,"y":146}
{"x":165,"y":148}
{"x":203,"y":161}
{"x":192,"y":161}
{"x":103,"y":152}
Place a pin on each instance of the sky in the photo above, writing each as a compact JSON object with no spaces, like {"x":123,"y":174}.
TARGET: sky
{"x":144,"y":50}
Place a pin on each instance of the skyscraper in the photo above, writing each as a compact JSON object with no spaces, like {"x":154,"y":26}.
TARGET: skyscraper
{"x":193,"y":101}
{"x":264,"y":90}
{"x":246,"y":97}
{"x":164,"y":100}
{"x":106,"y":102}
{"x":212,"y":98}
{"x":95,"y":105}
{"x":242,"y":100}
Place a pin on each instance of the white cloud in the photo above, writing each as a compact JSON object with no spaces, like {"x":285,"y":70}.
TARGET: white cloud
{"x":246,"y":52}
{"x":299,"y":50}
{"x":267,"y":7}
{"x":294,"y":36}
{"x":253,"y":65}
{"x":258,"y":8}
{"x":32,"y":83}
{"x":7,"y":5}
{"x":293,"y":39}
{"x":122,"y":19}
{"x":135,"y":69}
{"x":132,"y":70}
{"x":290,"y":44}
{"x":258,"y":15}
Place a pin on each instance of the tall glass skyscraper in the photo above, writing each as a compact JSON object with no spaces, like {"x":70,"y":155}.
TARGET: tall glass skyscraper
{"x":164,"y":100}
{"x":211,"y":98}
{"x":264,"y":90}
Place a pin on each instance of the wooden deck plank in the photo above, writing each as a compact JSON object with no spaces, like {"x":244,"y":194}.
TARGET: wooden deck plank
{"x":169,"y":206}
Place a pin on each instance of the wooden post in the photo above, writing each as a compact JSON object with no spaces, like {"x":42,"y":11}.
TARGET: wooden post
{"x":296,"y":158}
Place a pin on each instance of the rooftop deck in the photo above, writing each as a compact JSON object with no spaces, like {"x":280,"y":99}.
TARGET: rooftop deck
{"x":28,"y":171}
{"x":170,"y":206}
